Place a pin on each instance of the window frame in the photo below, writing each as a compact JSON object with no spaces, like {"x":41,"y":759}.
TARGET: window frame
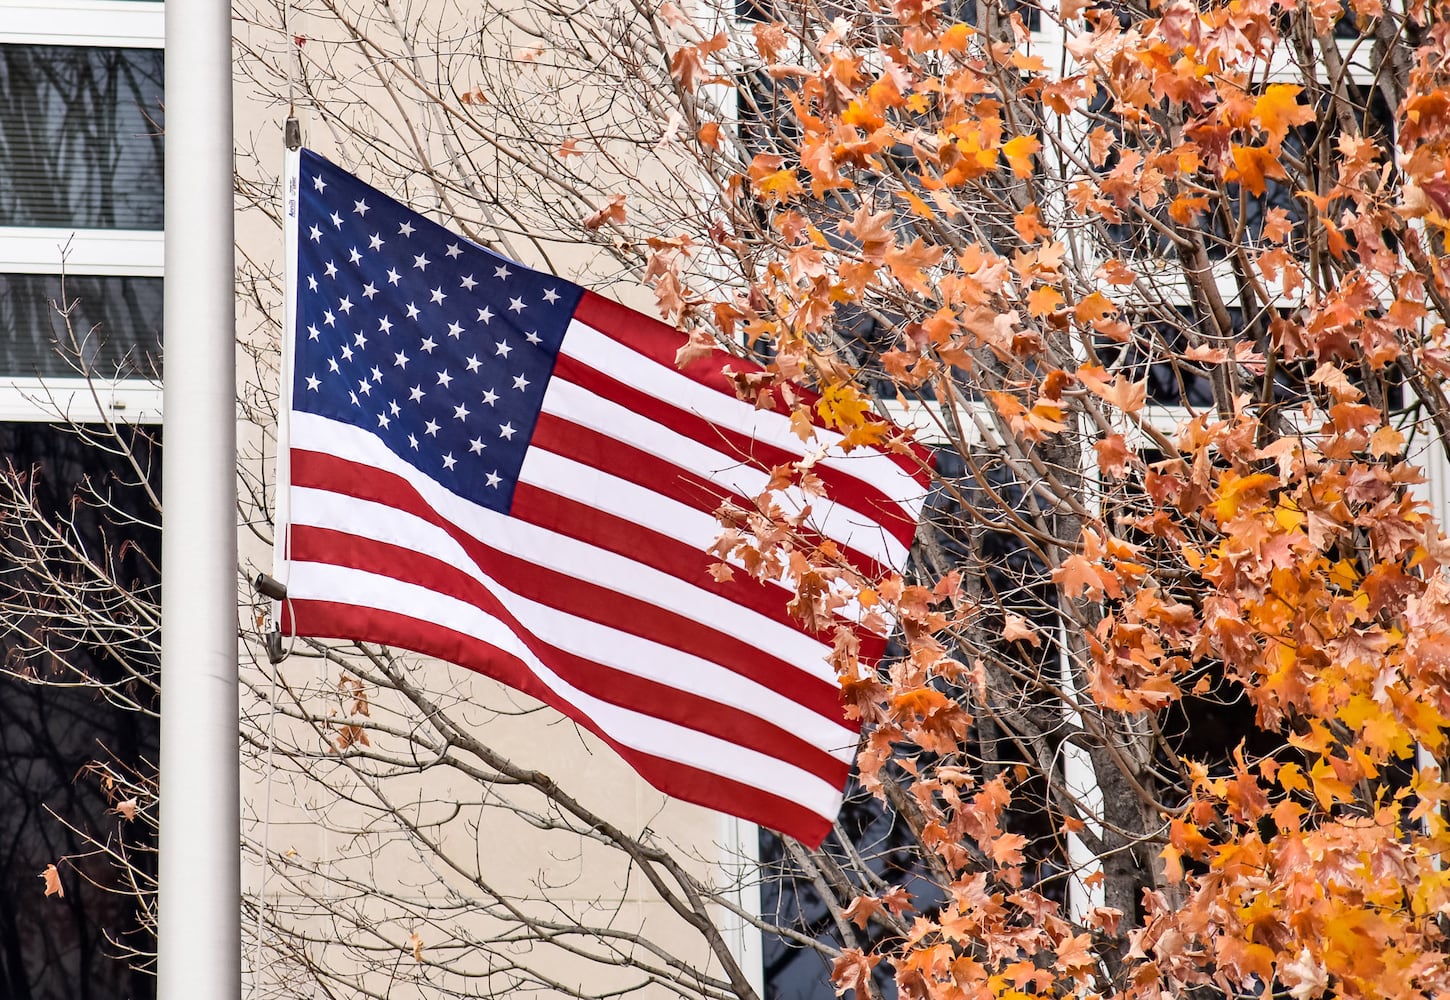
{"x":137,"y":253}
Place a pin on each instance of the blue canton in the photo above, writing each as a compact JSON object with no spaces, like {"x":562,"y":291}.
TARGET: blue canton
{"x":423,"y":338}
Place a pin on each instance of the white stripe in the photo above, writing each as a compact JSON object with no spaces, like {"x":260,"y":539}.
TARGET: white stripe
{"x":645,"y":733}
{"x":590,"y":347}
{"x":851,"y":528}
{"x":588,"y":639}
{"x":567,"y":555}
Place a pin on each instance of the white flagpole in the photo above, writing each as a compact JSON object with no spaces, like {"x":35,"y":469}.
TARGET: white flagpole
{"x":199,"y":934}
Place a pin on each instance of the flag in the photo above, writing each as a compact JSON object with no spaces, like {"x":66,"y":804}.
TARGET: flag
{"x":490,"y":465}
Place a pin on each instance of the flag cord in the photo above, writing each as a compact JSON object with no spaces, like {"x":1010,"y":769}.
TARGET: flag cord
{"x":269,"y":768}
{"x":294,"y":52}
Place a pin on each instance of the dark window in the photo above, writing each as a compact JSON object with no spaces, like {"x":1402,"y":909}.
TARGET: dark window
{"x":114,"y":327}
{"x":80,"y":137}
{"x":65,"y":948}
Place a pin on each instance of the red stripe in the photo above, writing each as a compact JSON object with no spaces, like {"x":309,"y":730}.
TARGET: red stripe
{"x":860,"y":496}
{"x":661,"y":343}
{"x":609,"y":684}
{"x":600,"y":604}
{"x":631,"y":540}
{"x":600,"y":451}
{"x":328,"y":620}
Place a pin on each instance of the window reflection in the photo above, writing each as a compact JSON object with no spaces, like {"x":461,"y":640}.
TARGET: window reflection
{"x":80,"y":137}
{"x":114,"y":329}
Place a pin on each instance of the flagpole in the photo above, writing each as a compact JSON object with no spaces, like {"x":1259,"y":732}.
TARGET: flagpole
{"x":199,"y":932}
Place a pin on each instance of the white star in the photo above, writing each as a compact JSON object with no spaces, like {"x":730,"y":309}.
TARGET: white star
{"x":375,"y":242}
{"x":393,"y":276}
{"x":551,"y":296}
{"x":484,"y":315}
{"x":331,"y":269}
{"x":394,"y":408}
{"x":360,"y":207}
{"x":449,"y":461}
{"x":468,"y":283}
{"x":406,"y":229}
{"x":473,"y":363}
{"x":383,"y":420}
{"x":520,"y":383}
{"x":312,"y":282}
{"x":415,"y":394}
{"x":493,"y":479}
{"x":364,"y":386}
{"x":332,"y":366}
{"x":453,"y":251}
{"x":369,"y":290}
{"x":328,"y":319}
{"x":336,"y":220}
{"x":460,"y":412}
{"x":316,"y":234}
{"x":454,"y":330}
{"x":506,"y":431}
{"x":354,"y":257}
{"x":502,"y":349}
{"x":412,"y":311}
{"x":313,"y":383}
{"x":421,"y":262}
{"x":533,"y":338}
{"x":361,"y":341}
{"x":427,"y":345}
{"x":444,"y":379}
{"x":385,"y":325}
{"x":400,"y":360}
{"x":377,"y":375}
{"x":353,"y":396}
{"x":319,"y":183}
{"x":516,"y":305}
{"x":437,"y":296}
{"x":490,"y":397}
{"x":344,"y":305}
{"x":476,"y":446}
{"x":313,"y":333}
{"x":502,"y":272}
{"x":346,"y":352}
{"x":413,"y":441}
{"x":431,"y":429}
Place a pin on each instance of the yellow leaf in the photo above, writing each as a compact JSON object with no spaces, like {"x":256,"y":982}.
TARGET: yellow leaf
{"x":1019,"y":153}
{"x":842,"y":407}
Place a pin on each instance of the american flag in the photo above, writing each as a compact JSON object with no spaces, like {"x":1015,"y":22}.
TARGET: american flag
{"x":490,"y":465}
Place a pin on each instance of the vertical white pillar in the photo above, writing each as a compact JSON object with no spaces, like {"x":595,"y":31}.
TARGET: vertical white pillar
{"x":200,"y":873}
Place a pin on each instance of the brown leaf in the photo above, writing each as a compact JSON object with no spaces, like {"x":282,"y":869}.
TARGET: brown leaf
{"x":612,"y":213}
{"x":126,"y":809}
{"x":852,"y":971}
{"x":570,"y":147}
{"x":52,"y":882}
{"x":416,"y":944}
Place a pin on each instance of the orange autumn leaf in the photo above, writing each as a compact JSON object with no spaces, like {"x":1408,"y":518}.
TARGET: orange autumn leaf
{"x":1278,"y":109}
{"x":52,"y":882}
{"x":612,"y":213}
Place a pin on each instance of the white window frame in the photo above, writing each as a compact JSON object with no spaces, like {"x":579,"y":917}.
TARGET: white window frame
{"x":104,"y":252}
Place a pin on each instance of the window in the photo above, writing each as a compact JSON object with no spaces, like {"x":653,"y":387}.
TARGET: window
{"x":80,"y":295}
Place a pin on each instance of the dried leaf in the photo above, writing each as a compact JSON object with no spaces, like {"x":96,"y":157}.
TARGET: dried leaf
{"x":52,"y":882}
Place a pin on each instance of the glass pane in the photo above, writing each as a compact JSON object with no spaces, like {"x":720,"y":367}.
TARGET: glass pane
{"x":80,"y":137}
{"x":114,"y":326}
{"x":57,"y":948}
